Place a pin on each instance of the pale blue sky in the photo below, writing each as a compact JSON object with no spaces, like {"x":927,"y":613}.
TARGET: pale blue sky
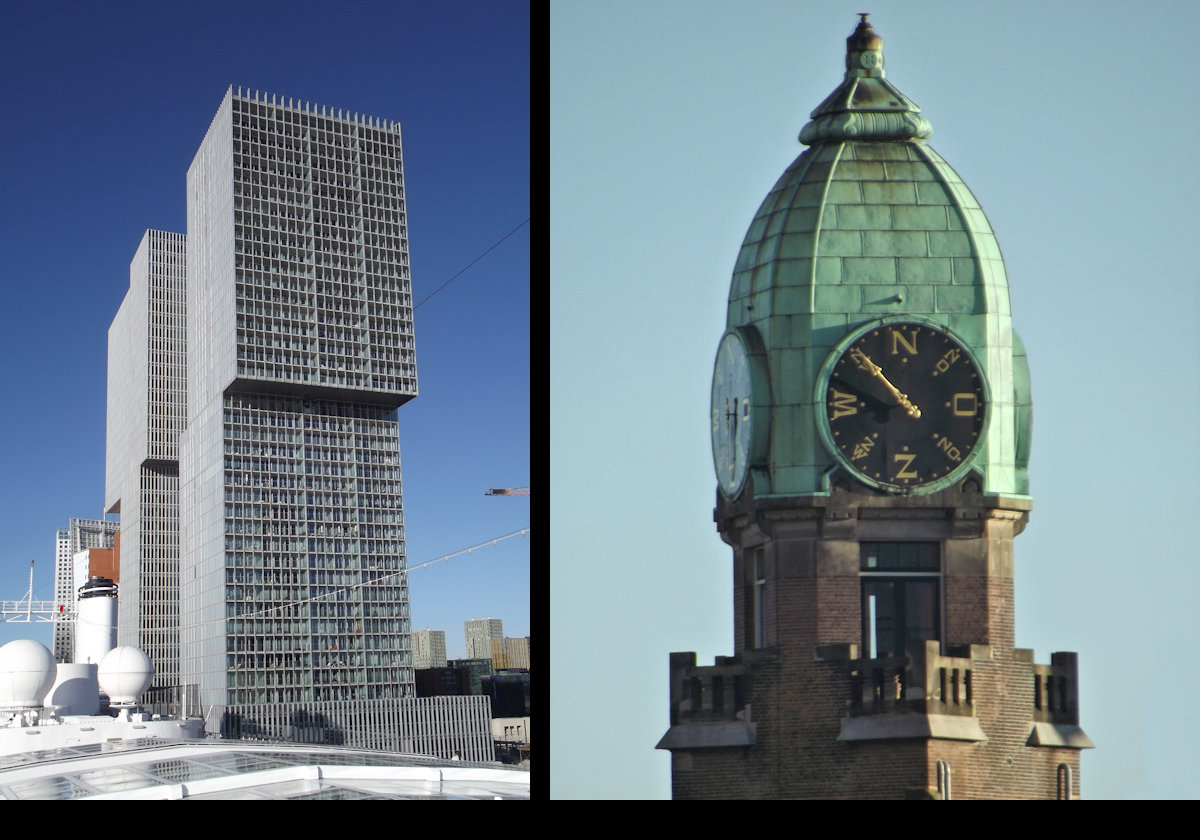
{"x":1075,"y":125}
{"x":104,"y":106}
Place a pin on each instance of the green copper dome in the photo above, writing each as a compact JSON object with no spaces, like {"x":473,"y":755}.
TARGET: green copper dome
{"x":870,"y":223}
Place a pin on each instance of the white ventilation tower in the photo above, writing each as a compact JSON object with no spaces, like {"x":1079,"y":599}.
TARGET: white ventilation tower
{"x":96,"y":624}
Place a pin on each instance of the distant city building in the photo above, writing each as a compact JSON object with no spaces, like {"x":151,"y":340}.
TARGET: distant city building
{"x":478,"y":669}
{"x":512,"y":738}
{"x":510,"y":653}
{"x":79,"y":535}
{"x":511,"y":729}
{"x":94,"y":562}
{"x":429,"y":649}
{"x":479,"y":634}
{"x":147,"y":405}
{"x":509,"y":693}
{"x":444,"y":682}
{"x":100,"y":562}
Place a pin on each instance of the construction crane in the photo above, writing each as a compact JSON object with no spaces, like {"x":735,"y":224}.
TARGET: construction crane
{"x":508,"y":491}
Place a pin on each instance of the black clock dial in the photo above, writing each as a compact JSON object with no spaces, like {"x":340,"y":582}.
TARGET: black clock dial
{"x":905,"y":405}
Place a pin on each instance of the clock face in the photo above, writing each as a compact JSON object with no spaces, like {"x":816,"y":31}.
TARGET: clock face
{"x":732,"y":415}
{"x":904,"y":406}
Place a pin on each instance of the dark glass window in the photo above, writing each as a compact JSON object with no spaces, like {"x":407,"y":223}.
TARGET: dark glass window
{"x":901,"y":557}
{"x":901,"y":597}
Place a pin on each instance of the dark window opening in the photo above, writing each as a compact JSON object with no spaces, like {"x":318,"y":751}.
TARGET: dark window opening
{"x":901,"y":597}
{"x":760,"y":588}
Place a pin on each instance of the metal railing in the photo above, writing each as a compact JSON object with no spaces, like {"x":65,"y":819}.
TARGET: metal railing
{"x":33,"y":611}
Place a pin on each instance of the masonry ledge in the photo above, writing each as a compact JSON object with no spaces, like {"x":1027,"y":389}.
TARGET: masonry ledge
{"x":698,"y":736}
{"x":1059,"y":735}
{"x":888,"y":727}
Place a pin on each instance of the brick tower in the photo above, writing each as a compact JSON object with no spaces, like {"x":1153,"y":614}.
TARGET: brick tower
{"x":871,"y":417}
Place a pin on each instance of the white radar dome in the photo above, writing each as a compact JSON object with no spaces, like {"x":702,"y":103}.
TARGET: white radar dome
{"x":125,"y":673}
{"x":27,"y":671}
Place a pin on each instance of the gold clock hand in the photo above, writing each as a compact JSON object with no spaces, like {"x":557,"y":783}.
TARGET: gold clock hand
{"x":865,"y":364}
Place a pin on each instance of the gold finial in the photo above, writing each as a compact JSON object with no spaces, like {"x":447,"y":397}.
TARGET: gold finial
{"x":864,"y":50}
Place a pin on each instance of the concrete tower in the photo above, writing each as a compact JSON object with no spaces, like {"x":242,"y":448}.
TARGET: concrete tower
{"x":147,"y":409}
{"x":300,"y":349}
{"x":871,"y":416}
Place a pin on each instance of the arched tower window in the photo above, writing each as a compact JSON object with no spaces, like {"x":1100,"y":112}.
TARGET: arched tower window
{"x":943,"y":779}
{"x":1065,"y":781}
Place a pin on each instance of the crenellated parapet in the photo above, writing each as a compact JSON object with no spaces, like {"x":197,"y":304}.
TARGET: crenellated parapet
{"x":710,"y":705}
{"x":1056,"y":704}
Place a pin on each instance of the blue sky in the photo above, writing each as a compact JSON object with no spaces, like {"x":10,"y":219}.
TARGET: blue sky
{"x":1075,"y":126}
{"x":105,"y":105}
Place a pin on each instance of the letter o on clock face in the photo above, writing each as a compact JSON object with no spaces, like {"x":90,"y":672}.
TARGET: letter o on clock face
{"x":905,"y":406}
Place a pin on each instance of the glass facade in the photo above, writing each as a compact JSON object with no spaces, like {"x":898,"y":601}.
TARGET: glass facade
{"x":316,"y":592}
{"x":342,"y":768}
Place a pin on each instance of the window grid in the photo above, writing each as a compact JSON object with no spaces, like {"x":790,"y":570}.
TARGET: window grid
{"x":315,"y":591}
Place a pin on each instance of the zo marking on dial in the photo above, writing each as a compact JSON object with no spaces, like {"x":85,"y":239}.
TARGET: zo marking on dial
{"x":905,"y":405}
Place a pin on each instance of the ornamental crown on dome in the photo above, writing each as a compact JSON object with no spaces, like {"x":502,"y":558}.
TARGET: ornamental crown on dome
{"x":865,"y":106}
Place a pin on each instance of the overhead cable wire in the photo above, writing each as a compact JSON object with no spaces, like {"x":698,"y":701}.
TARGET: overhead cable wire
{"x":375,"y":582}
{"x":477,"y":259}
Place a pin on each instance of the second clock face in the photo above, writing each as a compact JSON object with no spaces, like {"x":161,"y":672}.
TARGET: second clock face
{"x":732,"y":392}
{"x":905,"y":405}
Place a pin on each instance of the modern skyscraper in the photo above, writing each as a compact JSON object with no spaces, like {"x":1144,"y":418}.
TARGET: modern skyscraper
{"x":80,"y":534}
{"x":300,"y":349}
{"x":147,"y":410}
{"x":429,"y":649}
{"x":479,"y":634}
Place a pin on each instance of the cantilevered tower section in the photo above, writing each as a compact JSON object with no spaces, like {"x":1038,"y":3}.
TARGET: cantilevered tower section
{"x":300,"y":347}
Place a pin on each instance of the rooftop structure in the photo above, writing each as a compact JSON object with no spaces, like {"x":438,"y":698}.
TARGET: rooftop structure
{"x":61,"y":739}
{"x":230,"y":770}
